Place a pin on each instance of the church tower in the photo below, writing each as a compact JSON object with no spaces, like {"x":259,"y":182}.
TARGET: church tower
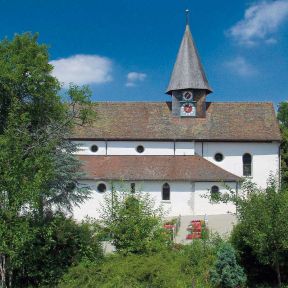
{"x":188,"y":85}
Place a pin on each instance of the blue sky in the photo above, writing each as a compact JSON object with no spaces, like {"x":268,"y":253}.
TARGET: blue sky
{"x":125,"y":49}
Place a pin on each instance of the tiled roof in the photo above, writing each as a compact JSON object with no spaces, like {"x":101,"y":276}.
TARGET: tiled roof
{"x":173,"y":168}
{"x":154,"y":121}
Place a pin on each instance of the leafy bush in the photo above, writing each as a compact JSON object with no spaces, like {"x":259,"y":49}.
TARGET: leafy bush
{"x":188,"y":265}
{"x":226,"y":272}
{"x":262,"y":214}
{"x":256,"y":271}
{"x":134,"y":223}
{"x":57,"y":245}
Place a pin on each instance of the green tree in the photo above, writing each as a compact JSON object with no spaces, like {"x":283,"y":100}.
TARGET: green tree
{"x":60,"y":243}
{"x":283,"y":119}
{"x":134,"y":223}
{"x":262,"y":215}
{"x":227,"y":273}
{"x":38,"y":173}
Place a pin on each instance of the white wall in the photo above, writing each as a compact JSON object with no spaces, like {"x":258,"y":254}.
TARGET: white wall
{"x":129,"y":148}
{"x":184,"y":148}
{"x":202,"y":205}
{"x":265,"y":159}
{"x":186,"y":198}
{"x":84,"y":147}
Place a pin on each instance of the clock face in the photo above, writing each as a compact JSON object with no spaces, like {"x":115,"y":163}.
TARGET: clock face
{"x":187,"y":95}
{"x":188,"y":109}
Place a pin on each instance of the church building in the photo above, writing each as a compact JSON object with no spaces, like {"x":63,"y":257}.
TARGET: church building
{"x":179,"y":150}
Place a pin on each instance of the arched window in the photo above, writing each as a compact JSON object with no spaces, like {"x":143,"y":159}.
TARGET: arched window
{"x":247,"y":164}
{"x":166,"y":191}
{"x":215,"y":193}
{"x":214,"y":189}
{"x":132,"y":186}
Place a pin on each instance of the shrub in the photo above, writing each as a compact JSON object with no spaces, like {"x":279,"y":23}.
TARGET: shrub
{"x":134,"y":223}
{"x":256,"y":271}
{"x":226,"y":272}
{"x":188,"y":265}
{"x":59,"y":243}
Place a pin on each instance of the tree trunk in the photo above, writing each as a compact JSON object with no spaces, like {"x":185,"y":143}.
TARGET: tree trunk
{"x":3,"y":270}
{"x":10,"y":278}
{"x":277,"y":269}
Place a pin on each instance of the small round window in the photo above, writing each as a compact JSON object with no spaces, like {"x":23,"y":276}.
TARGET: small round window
{"x":219,"y":157}
{"x":101,"y":188}
{"x":140,"y":149}
{"x":94,"y":148}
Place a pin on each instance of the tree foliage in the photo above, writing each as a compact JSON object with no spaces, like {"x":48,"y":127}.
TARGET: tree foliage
{"x":227,"y":273}
{"x":263,"y":221}
{"x":187,"y":266}
{"x":38,"y":173}
{"x":59,"y":243}
{"x":283,"y":119}
{"x":133,"y":221}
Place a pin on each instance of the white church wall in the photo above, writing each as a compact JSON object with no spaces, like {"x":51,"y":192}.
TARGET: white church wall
{"x":184,"y":148}
{"x":129,"y":148}
{"x":265,"y":159}
{"x":185,"y":198}
{"x":181,"y":196}
{"x":84,"y":147}
{"x":204,"y":206}
{"x":150,"y":148}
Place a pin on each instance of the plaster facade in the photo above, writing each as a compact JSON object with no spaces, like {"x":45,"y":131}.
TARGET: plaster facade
{"x":186,"y":198}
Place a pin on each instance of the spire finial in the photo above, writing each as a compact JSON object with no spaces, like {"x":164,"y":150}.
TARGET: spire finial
{"x":187,"y":16}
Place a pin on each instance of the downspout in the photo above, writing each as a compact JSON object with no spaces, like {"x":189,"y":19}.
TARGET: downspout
{"x":174,"y":147}
{"x":202,"y":152}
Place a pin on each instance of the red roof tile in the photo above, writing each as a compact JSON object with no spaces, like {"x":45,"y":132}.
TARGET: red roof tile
{"x":173,"y":168}
{"x":154,"y":121}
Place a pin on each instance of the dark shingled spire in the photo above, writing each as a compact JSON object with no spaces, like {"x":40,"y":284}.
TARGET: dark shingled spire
{"x":188,"y":72}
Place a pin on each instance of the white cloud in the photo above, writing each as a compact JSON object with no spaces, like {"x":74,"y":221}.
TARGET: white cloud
{"x":261,"y":21}
{"x":133,"y":78}
{"x":240,"y":66}
{"x":83,"y":69}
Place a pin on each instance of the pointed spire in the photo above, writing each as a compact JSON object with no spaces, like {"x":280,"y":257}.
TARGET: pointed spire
{"x":188,"y":72}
